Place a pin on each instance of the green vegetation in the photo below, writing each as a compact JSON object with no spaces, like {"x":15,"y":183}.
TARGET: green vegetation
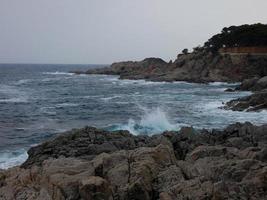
{"x":185,"y":51}
{"x":238,"y":36}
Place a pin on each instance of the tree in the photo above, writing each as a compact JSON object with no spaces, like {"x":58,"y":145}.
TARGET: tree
{"x":185,"y":51}
{"x":238,"y":36}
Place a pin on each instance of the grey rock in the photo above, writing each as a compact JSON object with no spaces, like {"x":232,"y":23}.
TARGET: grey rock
{"x":254,"y":102}
{"x":189,"y":164}
{"x":199,"y":67}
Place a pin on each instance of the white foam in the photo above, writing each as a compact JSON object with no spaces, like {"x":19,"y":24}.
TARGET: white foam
{"x":48,"y":110}
{"x":224,"y":84}
{"x":66,"y":105}
{"x":55,"y":78}
{"x":58,"y":73}
{"x":110,"y":98}
{"x":12,"y":158}
{"x":140,"y":82}
{"x":153,"y":121}
{"x":7,"y":89}
{"x":214,"y":110}
{"x":14,"y":100}
{"x":23,"y":81}
{"x":12,"y":94}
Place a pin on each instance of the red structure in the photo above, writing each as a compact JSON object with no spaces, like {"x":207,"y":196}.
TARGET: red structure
{"x":243,"y":50}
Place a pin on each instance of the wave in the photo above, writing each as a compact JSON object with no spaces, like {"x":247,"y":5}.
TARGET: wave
{"x":23,"y":81}
{"x":140,"y":82}
{"x":12,"y":158}
{"x":61,"y":105}
{"x":224,"y":84}
{"x":11,"y":94}
{"x":153,"y":121}
{"x":216,"y":113}
{"x":14,"y":100}
{"x":58,"y":73}
{"x":8,"y":89}
{"x":110,"y":98}
{"x":48,"y":110}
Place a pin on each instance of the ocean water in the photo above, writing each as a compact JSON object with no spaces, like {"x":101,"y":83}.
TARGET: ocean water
{"x":39,"y":101}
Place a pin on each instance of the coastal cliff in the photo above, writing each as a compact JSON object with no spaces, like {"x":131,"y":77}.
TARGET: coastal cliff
{"x":235,"y":54}
{"x":199,"y":66}
{"x":190,"y":164}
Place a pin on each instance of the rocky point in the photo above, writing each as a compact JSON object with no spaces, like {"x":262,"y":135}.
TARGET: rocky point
{"x":94,"y":164}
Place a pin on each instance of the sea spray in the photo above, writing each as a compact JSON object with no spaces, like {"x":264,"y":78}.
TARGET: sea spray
{"x":153,"y":121}
{"x":12,"y":158}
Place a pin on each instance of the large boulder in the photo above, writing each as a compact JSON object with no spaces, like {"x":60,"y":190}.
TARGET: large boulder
{"x":253,"y":84}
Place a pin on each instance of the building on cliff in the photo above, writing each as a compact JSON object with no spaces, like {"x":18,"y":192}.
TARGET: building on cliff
{"x":243,"y":50}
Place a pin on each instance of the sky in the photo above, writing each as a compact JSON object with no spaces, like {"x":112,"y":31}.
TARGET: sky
{"x":105,"y":31}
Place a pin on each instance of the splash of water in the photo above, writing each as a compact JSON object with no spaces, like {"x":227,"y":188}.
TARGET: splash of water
{"x":9,"y":159}
{"x":153,"y":121}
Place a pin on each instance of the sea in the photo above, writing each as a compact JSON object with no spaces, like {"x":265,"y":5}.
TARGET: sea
{"x":39,"y":101}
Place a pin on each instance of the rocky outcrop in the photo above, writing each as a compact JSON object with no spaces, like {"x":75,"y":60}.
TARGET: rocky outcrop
{"x":253,"y":84}
{"x":189,"y":164}
{"x":255,"y":102}
{"x":199,"y":66}
{"x":86,"y":143}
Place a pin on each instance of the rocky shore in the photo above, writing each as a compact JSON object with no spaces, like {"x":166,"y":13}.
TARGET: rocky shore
{"x":203,"y":67}
{"x":189,"y":164}
{"x":198,"y":66}
{"x":94,"y":164}
{"x":254,"y":102}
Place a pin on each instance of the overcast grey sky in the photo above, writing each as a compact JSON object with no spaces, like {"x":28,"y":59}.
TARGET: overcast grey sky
{"x":104,"y":31}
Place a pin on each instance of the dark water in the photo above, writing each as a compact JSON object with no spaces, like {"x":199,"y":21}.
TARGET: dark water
{"x":38,"y":101}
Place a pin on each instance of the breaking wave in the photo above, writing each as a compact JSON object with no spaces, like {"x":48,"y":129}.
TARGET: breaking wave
{"x":58,"y":73}
{"x":12,"y":158}
{"x":153,"y":121}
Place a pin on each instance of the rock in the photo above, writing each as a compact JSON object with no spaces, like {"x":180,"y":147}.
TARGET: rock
{"x":95,"y":188}
{"x":229,"y":90}
{"x":85,"y":143}
{"x":198,"y":67}
{"x":248,"y":84}
{"x":189,"y":164}
{"x":262,"y":82}
{"x":254,"y":84}
{"x":254,"y":102}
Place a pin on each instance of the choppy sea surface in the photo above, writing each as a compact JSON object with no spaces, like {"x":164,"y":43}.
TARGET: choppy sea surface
{"x":39,"y":101}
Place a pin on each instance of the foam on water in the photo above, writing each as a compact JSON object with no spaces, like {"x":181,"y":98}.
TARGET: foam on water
{"x":23,"y":81}
{"x":216,"y":113}
{"x":12,"y":158}
{"x":14,"y":100}
{"x":224,"y":84}
{"x":58,"y":73}
{"x":11,"y":94}
{"x":110,"y":98}
{"x":140,"y":82}
{"x":61,"y":105}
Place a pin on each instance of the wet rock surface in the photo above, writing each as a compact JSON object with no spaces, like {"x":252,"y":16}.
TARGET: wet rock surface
{"x":189,"y":164}
{"x":255,"y":102}
{"x":253,"y":84}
